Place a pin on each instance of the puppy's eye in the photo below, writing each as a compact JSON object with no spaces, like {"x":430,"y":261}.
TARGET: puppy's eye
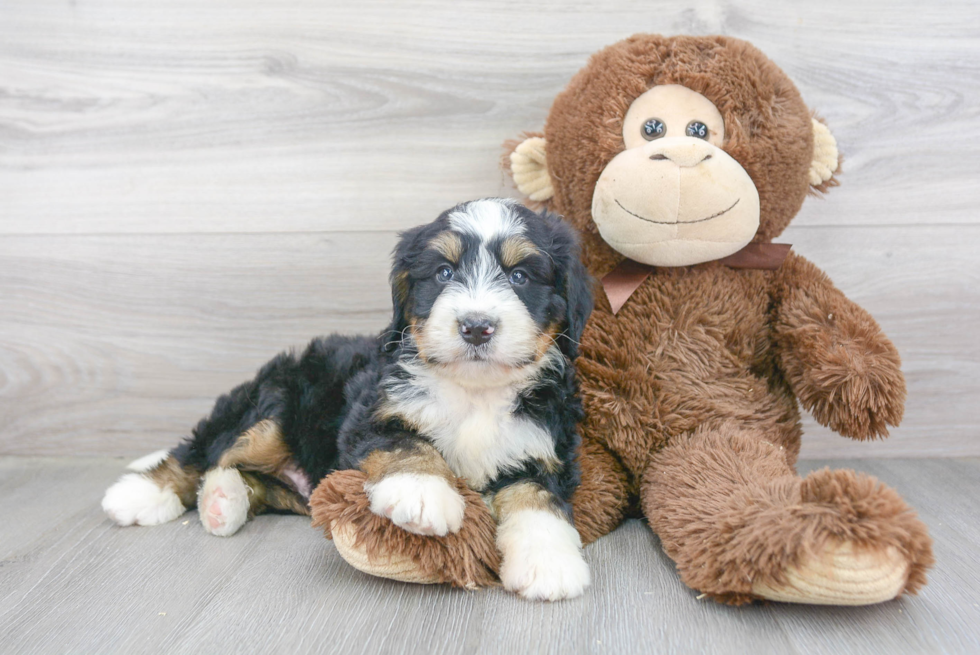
{"x":444,"y":274}
{"x":697,"y":129}
{"x":654,"y":128}
{"x":518,"y":277}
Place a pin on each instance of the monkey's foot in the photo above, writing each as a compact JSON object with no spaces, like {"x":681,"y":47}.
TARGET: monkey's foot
{"x":391,"y":565}
{"x":841,"y":575}
{"x":377,"y":546}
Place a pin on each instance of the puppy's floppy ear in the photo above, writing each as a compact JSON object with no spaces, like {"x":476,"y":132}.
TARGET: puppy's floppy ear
{"x":401,"y":285}
{"x":400,"y":290}
{"x":572,"y":282}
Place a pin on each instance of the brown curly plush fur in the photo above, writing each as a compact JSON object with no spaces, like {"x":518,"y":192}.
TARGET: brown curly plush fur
{"x":733,"y":511}
{"x":466,"y":559}
{"x":692,"y":390}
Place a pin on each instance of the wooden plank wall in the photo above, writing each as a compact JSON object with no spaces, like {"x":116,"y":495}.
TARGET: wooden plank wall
{"x":188,"y":187}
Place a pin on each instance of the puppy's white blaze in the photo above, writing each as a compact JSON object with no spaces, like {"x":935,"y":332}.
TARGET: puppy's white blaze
{"x":148,"y":462}
{"x":419,"y":503}
{"x":473,"y":427}
{"x":486,"y":277}
{"x":487,"y":219}
{"x":542,"y":556}
{"x":222,"y":502}
{"x":137,"y":500}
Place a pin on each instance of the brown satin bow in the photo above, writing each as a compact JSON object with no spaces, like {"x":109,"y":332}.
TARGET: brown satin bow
{"x":622,"y":281}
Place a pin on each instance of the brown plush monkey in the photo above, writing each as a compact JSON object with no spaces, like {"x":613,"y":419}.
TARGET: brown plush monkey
{"x":679,"y":159}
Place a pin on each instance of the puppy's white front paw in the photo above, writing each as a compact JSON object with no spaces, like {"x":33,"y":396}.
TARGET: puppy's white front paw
{"x":542,"y":556}
{"x":423,"y":504}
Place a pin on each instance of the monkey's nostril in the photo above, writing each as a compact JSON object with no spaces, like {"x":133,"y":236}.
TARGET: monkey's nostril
{"x":658,"y":157}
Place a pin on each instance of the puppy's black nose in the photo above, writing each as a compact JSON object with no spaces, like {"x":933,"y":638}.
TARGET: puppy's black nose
{"x":476,"y":329}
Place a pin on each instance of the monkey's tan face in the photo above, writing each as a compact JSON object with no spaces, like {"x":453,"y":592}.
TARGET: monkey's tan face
{"x":673,"y":197}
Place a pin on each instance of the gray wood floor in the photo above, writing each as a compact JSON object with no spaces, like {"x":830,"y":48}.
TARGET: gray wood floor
{"x":70,"y":581}
{"x":186,"y":188}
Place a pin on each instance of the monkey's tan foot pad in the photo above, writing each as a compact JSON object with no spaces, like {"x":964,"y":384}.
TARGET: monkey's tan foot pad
{"x":394,"y":566}
{"x":376,"y":546}
{"x":841,"y":575}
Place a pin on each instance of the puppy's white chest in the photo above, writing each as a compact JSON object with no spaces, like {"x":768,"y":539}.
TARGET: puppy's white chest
{"x":475,"y":429}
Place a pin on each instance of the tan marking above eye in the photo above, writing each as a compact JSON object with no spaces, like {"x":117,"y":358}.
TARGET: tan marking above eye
{"x":514,"y":250}
{"x":449,"y":245}
{"x":676,"y":107}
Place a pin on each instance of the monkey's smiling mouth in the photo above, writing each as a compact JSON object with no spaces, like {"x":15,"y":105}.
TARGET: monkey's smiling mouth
{"x":700,"y":220}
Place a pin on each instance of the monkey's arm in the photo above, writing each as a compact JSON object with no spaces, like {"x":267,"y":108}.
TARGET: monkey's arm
{"x":838,"y":362}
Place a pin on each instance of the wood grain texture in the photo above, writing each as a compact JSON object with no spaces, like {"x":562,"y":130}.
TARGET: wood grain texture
{"x":187,"y":188}
{"x":307,"y":115}
{"x":119,"y":344}
{"x":72,"y":582}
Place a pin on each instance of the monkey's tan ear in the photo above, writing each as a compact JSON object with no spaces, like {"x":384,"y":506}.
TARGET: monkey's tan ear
{"x":529,"y":168}
{"x":825,"y":155}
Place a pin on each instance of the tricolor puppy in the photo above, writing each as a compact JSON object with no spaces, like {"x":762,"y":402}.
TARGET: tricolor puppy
{"x":474,"y":378}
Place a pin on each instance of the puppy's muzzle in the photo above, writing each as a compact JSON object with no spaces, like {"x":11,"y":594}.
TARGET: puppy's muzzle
{"x":476,"y":329}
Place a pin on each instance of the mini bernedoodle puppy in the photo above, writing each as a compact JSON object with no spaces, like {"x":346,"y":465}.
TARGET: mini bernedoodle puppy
{"x":474,"y":378}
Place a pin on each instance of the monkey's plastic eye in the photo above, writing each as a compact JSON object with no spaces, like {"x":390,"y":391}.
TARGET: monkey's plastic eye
{"x":654,"y":128}
{"x":444,"y":274}
{"x":697,"y":129}
{"x":518,"y":277}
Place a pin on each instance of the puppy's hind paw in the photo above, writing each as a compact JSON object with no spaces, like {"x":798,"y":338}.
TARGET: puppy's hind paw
{"x":423,"y":504}
{"x":223,"y":502}
{"x":137,"y":500}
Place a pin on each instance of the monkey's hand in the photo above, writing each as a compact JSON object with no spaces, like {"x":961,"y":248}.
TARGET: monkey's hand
{"x":838,"y":362}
